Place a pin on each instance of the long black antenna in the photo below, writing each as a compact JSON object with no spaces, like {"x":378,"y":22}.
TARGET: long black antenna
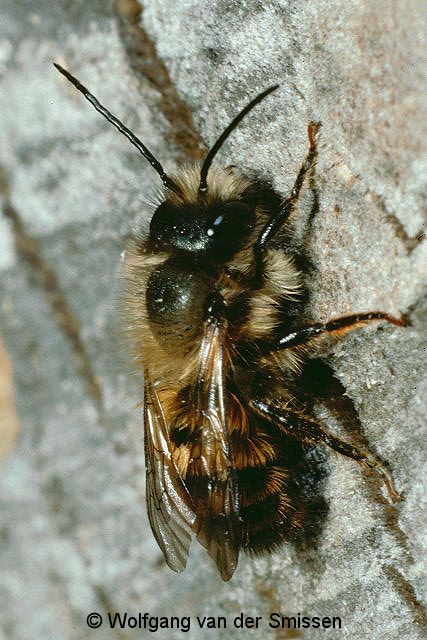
{"x":224,"y":135}
{"x":170,"y":184}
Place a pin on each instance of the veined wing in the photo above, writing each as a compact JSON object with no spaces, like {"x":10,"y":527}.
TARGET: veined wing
{"x":169,"y":504}
{"x":219,"y":523}
{"x":173,"y":513}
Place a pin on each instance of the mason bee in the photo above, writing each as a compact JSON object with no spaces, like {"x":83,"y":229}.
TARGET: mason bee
{"x":214,"y":306}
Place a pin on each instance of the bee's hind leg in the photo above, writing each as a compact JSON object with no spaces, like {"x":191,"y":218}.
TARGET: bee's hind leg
{"x":310,"y":432}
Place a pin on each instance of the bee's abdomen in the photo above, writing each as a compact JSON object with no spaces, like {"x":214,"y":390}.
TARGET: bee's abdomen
{"x":270,"y":508}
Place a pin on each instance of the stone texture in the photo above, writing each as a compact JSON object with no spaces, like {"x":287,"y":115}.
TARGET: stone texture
{"x":74,"y":534}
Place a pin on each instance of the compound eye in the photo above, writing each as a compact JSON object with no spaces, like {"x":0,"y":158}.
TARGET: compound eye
{"x":229,"y":227}
{"x":161,"y":222}
{"x":231,"y":216}
{"x":178,"y":227}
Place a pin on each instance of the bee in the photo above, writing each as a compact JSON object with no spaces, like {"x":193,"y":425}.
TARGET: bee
{"x":214,"y":306}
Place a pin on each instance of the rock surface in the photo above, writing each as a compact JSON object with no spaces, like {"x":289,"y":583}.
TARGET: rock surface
{"x":74,"y":537}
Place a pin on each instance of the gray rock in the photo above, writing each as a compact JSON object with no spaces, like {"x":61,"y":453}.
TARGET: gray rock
{"x":74,"y":534}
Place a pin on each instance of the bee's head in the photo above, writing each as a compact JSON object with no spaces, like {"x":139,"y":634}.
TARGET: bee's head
{"x":215,"y":231}
{"x":210,"y":227}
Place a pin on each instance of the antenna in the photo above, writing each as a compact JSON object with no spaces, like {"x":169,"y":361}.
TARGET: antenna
{"x":170,"y":184}
{"x":224,"y":135}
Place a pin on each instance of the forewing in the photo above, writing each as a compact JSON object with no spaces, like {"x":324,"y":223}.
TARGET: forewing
{"x":219,"y":526}
{"x":168,"y":502}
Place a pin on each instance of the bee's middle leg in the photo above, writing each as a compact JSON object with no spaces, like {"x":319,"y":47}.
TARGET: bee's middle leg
{"x":311,"y":432}
{"x":338,"y":326}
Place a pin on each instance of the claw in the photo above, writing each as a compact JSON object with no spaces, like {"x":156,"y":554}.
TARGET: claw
{"x":393,"y":494}
{"x":312,"y":130}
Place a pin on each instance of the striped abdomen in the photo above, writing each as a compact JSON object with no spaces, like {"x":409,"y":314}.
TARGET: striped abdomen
{"x":270,"y":508}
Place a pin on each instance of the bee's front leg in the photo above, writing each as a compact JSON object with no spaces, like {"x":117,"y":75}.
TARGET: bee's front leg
{"x":273,"y":225}
{"x":311,"y":432}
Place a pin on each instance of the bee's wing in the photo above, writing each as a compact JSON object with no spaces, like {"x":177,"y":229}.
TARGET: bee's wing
{"x":218,"y":527}
{"x":168,"y":502}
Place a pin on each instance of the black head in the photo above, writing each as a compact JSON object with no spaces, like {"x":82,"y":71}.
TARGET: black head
{"x":214,"y":231}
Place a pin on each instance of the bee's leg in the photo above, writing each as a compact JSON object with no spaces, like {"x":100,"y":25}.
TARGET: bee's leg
{"x":339,"y":326}
{"x":287,"y":207}
{"x":308,"y":431}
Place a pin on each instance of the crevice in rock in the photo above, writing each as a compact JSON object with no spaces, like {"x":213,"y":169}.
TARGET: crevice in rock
{"x":108,"y":607}
{"x":269,"y":594}
{"x":409,"y":243}
{"x":146,"y":63}
{"x":28,"y":248}
{"x":407,"y":592}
